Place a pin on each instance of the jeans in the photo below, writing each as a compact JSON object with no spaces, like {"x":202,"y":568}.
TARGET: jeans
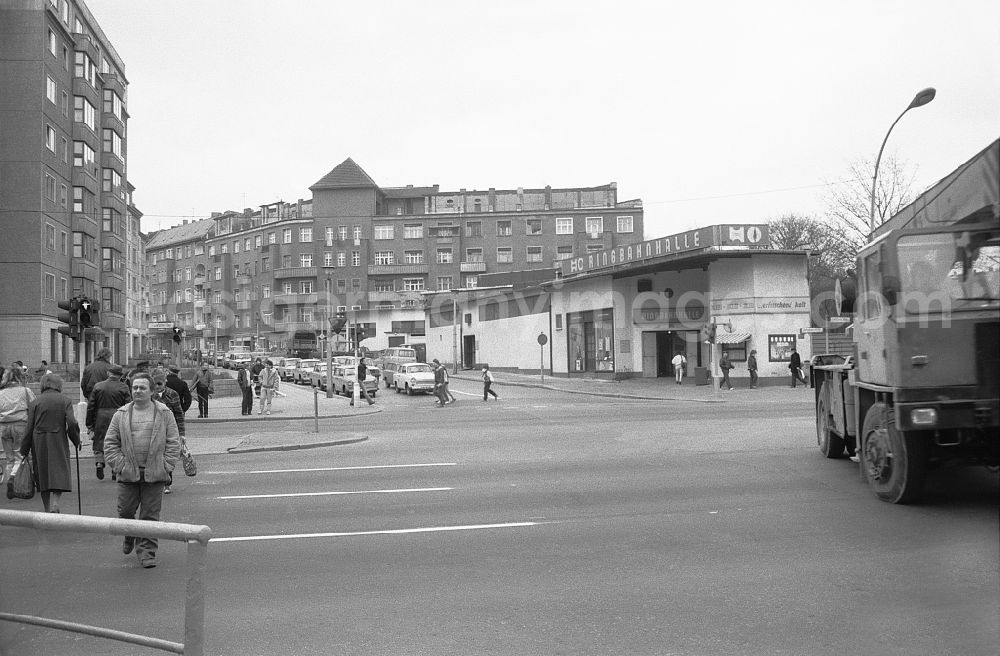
{"x":266,"y":394}
{"x":11,"y":434}
{"x":725,"y":379}
{"x":202,"y":400}
{"x":145,"y":497}
{"x":487,"y":390}
{"x":247,"y":400}
{"x":753,"y":378}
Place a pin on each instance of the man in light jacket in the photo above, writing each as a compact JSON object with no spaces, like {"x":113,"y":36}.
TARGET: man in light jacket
{"x":142,"y":448}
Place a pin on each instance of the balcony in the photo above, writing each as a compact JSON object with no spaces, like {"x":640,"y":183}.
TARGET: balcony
{"x":200,"y":303}
{"x":296,"y":299}
{"x":293,"y":326}
{"x":473,"y":267}
{"x":199,"y":281}
{"x":244,"y":279}
{"x":397,"y":269}
{"x":85,"y":224}
{"x":394,"y":297}
{"x":295,"y":272}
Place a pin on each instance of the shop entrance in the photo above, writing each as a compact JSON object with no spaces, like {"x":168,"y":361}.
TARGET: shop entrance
{"x":659,"y":348}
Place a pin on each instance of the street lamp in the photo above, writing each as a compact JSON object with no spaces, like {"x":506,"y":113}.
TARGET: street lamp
{"x":329,"y":331}
{"x":919,"y":100}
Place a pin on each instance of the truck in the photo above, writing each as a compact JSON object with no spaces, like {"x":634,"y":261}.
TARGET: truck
{"x":923,"y":387}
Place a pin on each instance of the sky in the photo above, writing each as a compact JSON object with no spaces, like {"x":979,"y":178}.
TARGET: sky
{"x":729,"y":111}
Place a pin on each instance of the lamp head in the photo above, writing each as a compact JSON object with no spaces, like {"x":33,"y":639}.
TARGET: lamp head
{"x":923,"y":97}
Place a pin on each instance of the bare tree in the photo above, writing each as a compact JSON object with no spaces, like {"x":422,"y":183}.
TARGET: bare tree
{"x":849,"y":203}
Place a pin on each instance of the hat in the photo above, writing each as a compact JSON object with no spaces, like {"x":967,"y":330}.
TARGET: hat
{"x":116,"y":369}
{"x":174,"y":369}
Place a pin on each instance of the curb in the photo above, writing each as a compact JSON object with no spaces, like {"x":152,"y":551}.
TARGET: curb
{"x":618,"y":395}
{"x":221,"y":420}
{"x":295,"y":447}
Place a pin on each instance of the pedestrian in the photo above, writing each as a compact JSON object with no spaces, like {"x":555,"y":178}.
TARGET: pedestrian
{"x":203,"y":388}
{"x":679,"y":362}
{"x":15,"y":399}
{"x":487,"y":382}
{"x":142,"y":448}
{"x":795,"y":366}
{"x":447,"y":382}
{"x":103,"y":402}
{"x":243,"y":381}
{"x":172,"y":400}
{"x":51,"y":424}
{"x":268,"y":379}
{"x":175,"y":383}
{"x":95,"y":372}
{"x":725,"y":365}
{"x":752,"y":368}
{"x":255,"y":370}
{"x":43,"y":369}
{"x":439,"y":383}
{"x":362,"y":375}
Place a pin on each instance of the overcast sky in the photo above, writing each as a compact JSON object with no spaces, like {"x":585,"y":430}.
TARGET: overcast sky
{"x":709,"y":112}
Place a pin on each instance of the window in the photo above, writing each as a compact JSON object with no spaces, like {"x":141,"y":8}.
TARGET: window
{"x":286,"y":236}
{"x":50,"y":237}
{"x":356,"y":284}
{"x":271,"y":237}
{"x":625,"y":225}
{"x":341,"y":285}
{"x":265,"y":264}
{"x":49,"y":187}
{"x":384,"y":257}
{"x":329,"y":235}
{"x":355,"y":258}
{"x":50,"y":89}
{"x":286,"y":288}
{"x":341,"y":259}
{"x":306,"y":260}
{"x":83,"y":154}
{"x":533,"y":226}
{"x":49,"y":286}
{"x":342,"y":233}
{"x":504,"y":229}
{"x":564,"y":252}
{"x":305,"y":235}
{"x":444,"y":283}
{"x":505,"y":255}
{"x":265,"y":291}
{"x":471,"y":280}
{"x":112,"y":142}
{"x":595,"y":225}
{"x":236,"y":246}
{"x":473,"y":255}
{"x":286,"y":261}
{"x":474,"y":229}
{"x":444,"y":256}
{"x":236,"y":271}
{"x":382,"y":231}
{"x":414,"y":257}
{"x":413,"y":231}
{"x":112,"y":104}
{"x":218,"y":273}
{"x":52,"y":43}
{"x":111,"y":181}
{"x":594,"y":248}
{"x":64,"y":103}
{"x":413,"y":284}
{"x":564,"y":226}
{"x":328,"y":259}
{"x":305,"y":286}
{"x":64,"y":242}
{"x":85,"y":69}
{"x":256,"y":242}
{"x":534,"y":253}
{"x":382,"y":286}
{"x":50,"y":138}
{"x":357,"y":233}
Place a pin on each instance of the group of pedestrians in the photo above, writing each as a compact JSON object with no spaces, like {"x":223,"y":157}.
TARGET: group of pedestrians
{"x":262,"y":380}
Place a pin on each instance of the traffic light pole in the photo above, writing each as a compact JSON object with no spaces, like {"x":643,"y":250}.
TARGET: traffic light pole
{"x":81,"y":350}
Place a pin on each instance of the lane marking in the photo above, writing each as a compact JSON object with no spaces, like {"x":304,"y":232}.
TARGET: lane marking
{"x":336,"y":493}
{"x":397,"y":531}
{"x":318,"y":469}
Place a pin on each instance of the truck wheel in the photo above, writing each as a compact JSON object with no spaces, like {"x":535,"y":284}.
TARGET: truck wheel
{"x":830,"y":444}
{"x":893,"y":461}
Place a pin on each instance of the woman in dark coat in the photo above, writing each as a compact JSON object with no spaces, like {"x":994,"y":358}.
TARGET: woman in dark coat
{"x":51,"y":423}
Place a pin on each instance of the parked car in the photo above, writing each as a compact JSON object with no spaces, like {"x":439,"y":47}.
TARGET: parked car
{"x":286,"y":367}
{"x":300,"y":375}
{"x":343,"y":377}
{"x":317,"y":376}
{"x":413,"y":377}
{"x":389,"y":373}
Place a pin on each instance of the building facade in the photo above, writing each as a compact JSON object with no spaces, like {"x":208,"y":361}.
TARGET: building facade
{"x":64,"y":197}
{"x":273,"y":277}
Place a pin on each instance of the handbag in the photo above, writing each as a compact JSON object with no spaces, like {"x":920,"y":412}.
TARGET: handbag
{"x":22,"y":482}
{"x":187,"y":460}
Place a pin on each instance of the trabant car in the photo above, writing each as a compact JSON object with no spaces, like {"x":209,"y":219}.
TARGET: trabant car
{"x":343,"y":377}
{"x":413,"y":377}
{"x":300,"y":374}
{"x":286,"y":367}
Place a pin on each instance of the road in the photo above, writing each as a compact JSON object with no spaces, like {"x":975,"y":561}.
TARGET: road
{"x":543,"y":524}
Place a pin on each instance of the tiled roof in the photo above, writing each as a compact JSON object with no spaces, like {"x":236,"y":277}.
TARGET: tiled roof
{"x":346,"y":175}
{"x":180,"y":234}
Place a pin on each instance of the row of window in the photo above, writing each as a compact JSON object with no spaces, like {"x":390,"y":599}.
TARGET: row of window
{"x":563,"y":226}
{"x":111,"y":299}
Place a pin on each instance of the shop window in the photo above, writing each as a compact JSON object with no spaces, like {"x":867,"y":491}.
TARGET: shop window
{"x":590,"y":339}
{"x":779,"y":347}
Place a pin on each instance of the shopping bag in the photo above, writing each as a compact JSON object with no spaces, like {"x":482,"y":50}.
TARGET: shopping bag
{"x":22,"y":482}
{"x":187,"y":460}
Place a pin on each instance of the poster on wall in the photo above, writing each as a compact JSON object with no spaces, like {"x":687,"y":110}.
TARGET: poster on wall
{"x":779,"y":347}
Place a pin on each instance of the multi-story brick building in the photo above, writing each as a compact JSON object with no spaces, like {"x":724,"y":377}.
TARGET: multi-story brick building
{"x":64,"y":198}
{"x":272,"y":277}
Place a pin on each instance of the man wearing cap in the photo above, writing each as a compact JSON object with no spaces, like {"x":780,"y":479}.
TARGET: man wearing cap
{"x":95,"y":372}
{"x":105,"y":399}
{"x":175,"y":383}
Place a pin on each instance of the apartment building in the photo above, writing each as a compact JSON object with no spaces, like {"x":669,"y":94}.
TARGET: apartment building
{"x":64,"y":197}
{"x":273,"y":276}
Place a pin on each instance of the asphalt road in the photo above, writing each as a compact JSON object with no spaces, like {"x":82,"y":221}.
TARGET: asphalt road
{"x":543,"y":524}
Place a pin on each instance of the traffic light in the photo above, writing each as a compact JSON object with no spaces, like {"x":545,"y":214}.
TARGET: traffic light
{"x":360,"y":331}
{"x":178,"y":334}
{"x":71,"y":317}
{"x":88,"y":314}
{"x":337,"y":323}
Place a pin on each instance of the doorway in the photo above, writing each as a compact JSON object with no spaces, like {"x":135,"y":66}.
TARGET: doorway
{"x":658,"y":349}
{"x":468,"y":351}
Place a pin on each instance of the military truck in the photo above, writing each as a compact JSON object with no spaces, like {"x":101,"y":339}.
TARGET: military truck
{"x":923,"y":387}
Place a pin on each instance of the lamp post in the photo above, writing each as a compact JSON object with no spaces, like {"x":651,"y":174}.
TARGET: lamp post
{"x":329,"y":331}
{"x":454,"y":330}
{"x":919,"y":100}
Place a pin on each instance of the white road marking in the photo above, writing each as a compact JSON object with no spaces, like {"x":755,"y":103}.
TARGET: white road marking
{"x":397,"y":531}
{"x":336,"y":493}
{"x":317,"y":469}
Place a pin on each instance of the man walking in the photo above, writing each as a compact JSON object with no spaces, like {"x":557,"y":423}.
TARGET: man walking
{"x":175,"y":383}
{"x":487,"y":382}
{"x":795,"y":365}
{"x":362,"y":375}
{"x":243,"y":380}
{"x":203,"y":388}
{"x":725,"y":365}
{"x":269,"y":380}
{"x":752,"y":368}
{"x":105,"y":399}
{"x":679,"y":363}
{"x":255,"y":370}
{"x":95,"y":372}
{"x":440,"y":377}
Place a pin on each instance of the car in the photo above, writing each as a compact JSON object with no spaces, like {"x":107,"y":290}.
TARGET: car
{"x":286,"y":367}
{"x":343,"y":377}
{"x":389,"y":372}
{"x":300,"y":375}
{"x":413,"y":377}
{"x":317,"y":375}
{"x":397,"y":354}
{"x":374,"y":371}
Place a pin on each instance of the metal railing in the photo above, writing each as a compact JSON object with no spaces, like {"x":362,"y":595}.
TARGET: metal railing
{"x":197,"y":538}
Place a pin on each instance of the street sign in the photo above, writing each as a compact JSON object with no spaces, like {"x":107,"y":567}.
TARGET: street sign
{"x":803,"y":331}
{"x":840,"y":320}
{"x":542,"y":339}
{"x":160,"y":325}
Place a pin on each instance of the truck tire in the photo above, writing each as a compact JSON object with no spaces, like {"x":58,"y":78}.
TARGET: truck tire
{"x":831,"y":445}
{"x":892,"y":461}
